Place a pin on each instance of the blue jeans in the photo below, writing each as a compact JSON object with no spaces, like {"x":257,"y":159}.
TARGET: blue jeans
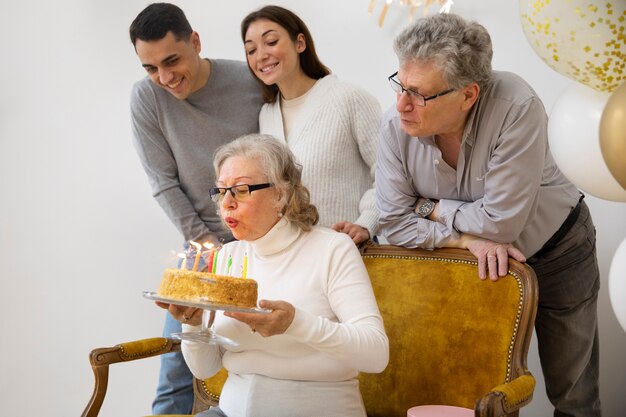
{"x":175,"y":390}
{"x":174,"y":393}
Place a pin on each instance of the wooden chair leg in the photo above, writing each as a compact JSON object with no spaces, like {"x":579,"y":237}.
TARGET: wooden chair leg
{"x":101,"y":374}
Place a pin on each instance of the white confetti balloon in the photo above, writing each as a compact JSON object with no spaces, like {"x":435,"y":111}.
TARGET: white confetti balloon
{"x":581,"y":39}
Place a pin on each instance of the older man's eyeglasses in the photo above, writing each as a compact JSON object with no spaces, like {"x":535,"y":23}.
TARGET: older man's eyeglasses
{"x":417,"y":98}
{"x":239,"y":192}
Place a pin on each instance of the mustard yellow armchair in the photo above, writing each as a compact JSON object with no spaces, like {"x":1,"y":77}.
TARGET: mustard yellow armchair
{"x":454,"y":339}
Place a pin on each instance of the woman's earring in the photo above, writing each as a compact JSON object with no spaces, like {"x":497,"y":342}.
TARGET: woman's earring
{"x":280,"y":214}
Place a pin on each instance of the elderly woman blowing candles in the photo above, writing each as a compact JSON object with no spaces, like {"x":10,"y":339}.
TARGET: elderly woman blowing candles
{"x":325,"y":327}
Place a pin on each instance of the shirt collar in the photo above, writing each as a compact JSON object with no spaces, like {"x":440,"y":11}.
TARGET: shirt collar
{"x":469,"y":132}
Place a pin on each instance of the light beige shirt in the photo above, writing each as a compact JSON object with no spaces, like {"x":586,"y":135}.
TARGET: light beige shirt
{"x":506,"y":188}
{"x":291,"y":109}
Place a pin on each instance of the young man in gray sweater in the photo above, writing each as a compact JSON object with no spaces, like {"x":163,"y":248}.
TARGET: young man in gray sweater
{"x":181,"y":112}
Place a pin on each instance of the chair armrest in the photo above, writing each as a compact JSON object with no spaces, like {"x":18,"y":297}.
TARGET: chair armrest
{"x":506,"y":398}
{"x":130,"y":351}
{"x":101,"y":358}
{"x":207,"y":392}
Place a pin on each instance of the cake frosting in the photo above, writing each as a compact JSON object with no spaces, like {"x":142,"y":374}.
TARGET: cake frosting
{"x":204,"y":286}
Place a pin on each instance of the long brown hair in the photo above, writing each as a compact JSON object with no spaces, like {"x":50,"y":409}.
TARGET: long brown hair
{"x":309,"y":61}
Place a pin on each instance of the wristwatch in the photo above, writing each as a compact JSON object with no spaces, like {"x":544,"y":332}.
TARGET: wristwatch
{"x":424,"y":209}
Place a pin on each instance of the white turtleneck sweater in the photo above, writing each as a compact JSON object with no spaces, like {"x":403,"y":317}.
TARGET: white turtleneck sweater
{"x":334,"y":137}
{"x":337,"y":330}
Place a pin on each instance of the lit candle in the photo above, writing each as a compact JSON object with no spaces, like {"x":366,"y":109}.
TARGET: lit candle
{"x":214,"y":268}
{"x":209,"y":262}
{"x":198,"y":254}
{"x":229,"y":264}
{"x":245,"y":266}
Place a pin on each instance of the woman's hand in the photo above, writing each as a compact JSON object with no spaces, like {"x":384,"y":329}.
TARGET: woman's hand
{"x":357,"y":233}
{"x":276,"y":322}
{"x":493,"y":257}
{"x":185,"y":315}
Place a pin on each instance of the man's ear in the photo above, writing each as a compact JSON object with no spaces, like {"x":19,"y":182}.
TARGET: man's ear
{"x":195,"y":41}
{"x":470,"y":95}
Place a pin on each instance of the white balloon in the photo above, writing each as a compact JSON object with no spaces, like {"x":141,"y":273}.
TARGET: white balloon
{"x":573,"y":134}
{"x":617,"y":284}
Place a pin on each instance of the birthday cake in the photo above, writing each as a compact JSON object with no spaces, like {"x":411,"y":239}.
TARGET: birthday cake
{"x":189,"y":285}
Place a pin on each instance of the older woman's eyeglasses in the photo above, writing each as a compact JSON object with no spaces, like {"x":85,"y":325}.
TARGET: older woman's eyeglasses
{"x":239,"y":192}
{"x":417,"y":98}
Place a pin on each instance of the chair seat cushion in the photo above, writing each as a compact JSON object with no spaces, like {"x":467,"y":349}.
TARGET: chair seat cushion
{"x":439,"y":411}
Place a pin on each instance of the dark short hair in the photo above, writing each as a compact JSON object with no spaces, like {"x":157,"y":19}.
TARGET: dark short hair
{"x":156,"y":20}
{"x":309,"y":61}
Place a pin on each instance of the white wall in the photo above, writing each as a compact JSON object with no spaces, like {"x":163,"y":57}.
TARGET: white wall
{"x":81,"y":237}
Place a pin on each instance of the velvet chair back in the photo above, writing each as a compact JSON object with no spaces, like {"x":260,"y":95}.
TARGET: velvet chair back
{"x":453,"y":337}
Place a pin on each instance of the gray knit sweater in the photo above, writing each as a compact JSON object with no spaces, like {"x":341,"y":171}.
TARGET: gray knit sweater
{"x":176,"y":139}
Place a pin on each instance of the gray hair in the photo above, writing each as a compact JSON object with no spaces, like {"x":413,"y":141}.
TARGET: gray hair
{"x":460,"y":48}
{"x":280,"y":168}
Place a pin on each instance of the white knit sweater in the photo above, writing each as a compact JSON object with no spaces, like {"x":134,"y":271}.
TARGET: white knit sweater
{"x":337,"y":330}
{"x":334,"y":139}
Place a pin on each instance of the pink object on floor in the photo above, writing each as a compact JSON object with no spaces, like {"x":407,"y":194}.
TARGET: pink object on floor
{"x":439,"y":411}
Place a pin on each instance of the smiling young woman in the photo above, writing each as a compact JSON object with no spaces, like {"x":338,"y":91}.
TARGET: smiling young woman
{"x":330,"y":126}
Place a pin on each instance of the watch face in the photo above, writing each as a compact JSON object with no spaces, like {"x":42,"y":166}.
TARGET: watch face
{"x":426,"y":208}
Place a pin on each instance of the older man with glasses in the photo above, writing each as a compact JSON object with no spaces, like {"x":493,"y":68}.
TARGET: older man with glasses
{"x":463,"y":161}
